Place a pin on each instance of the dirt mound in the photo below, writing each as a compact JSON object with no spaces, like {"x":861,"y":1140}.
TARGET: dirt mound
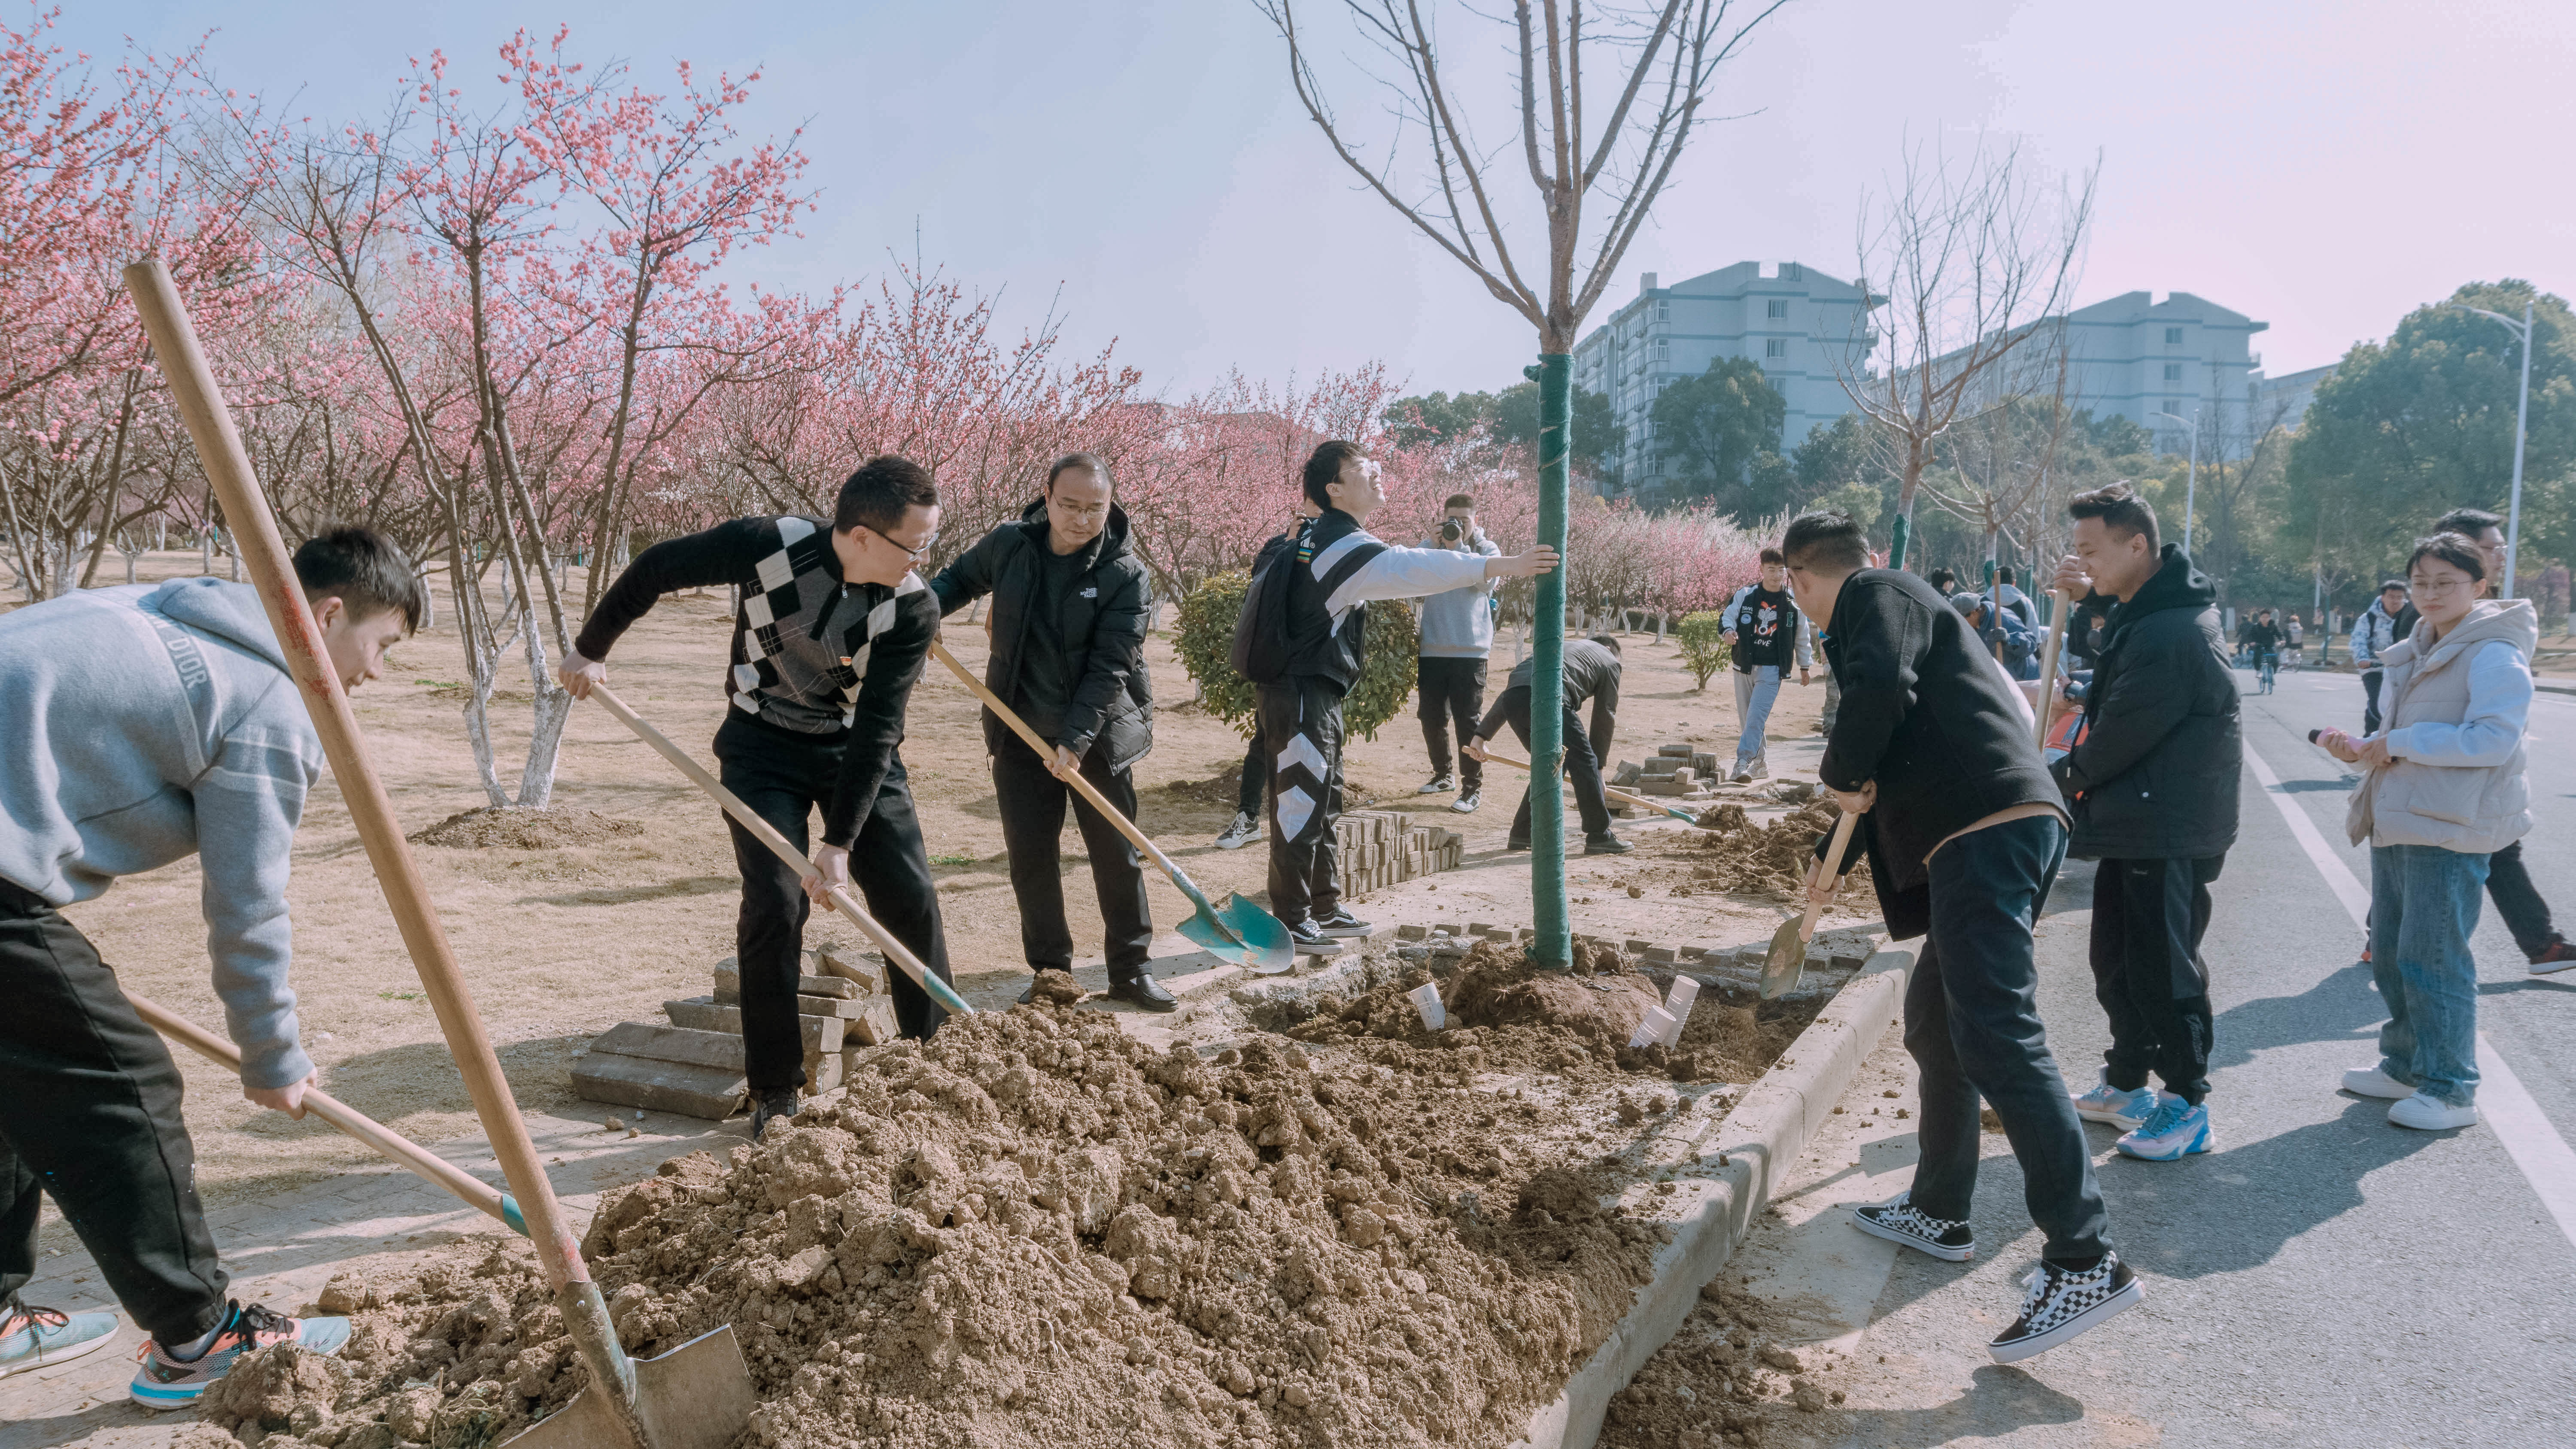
{"x":1036,"y":1230}
{"x":515,"y":829}
{"x":1766,"y":860}
{"x":1727,"y":1377}
{"x":1225,"y":787}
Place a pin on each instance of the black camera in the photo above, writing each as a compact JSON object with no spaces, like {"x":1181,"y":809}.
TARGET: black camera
{"x":1451,"y":530}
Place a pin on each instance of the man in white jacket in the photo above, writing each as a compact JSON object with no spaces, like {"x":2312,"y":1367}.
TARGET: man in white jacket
{"x":2372,"y":633}
{"x":139,"y":726}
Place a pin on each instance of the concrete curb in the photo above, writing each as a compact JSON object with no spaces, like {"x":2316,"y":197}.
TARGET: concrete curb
{"x":1714,"y":1206}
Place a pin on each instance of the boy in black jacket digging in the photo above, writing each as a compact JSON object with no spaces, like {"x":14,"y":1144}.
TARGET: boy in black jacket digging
{"x":1933,"y":748}
{"x":833,"y":630}
{"x":2152,"y":782}
{"x":1069,"y":603}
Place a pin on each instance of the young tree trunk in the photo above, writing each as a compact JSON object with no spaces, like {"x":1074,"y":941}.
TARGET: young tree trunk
{"x":1549,"y":911}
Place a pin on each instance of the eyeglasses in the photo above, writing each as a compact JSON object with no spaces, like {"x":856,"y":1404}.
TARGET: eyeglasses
{"x":2438,"y":588}
{"x":927,"y":544}
{"x":1073,"y":511}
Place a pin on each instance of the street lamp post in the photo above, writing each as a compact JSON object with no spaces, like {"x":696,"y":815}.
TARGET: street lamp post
{"x":2191,"y":475}
{"x":2521,"y":416}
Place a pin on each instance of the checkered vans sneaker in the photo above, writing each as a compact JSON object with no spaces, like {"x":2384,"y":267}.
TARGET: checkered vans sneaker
{"x":1900,"y":1221}
{"x":2057,"y":1304}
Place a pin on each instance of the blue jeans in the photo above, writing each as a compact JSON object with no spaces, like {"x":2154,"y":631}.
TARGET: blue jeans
{"x":1754,"y":693}
{"x":2423,"y":906}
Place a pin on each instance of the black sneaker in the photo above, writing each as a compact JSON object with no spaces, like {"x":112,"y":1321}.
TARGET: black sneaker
{"x":1305,"y":940}
{"x":1900,"y":1221}
{"x":1605,"y":845}
{"x":1144,"y":991}
{"x":2058,"y":1303}
{"x":776,"y":1104}
{"x":1441,"y":784}
{"x":1241,"y":833}
{"x":1466,"y":804}
{"x":1342,"y":923}
{"x":1510,"y":845}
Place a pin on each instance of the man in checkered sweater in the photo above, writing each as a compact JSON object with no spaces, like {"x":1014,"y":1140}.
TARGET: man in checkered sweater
{"x":833,"y":630}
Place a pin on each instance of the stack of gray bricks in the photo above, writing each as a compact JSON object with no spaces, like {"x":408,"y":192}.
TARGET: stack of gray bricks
{"x":694,"y":1065}
{"x":1380,"y":848}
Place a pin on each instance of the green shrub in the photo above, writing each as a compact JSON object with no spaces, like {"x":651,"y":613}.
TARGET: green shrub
{"x":1705,"y":646}
{"x":1206,"y":641}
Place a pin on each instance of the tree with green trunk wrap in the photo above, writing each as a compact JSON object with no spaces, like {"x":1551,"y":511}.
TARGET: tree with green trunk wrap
{"x":1612,"y":170}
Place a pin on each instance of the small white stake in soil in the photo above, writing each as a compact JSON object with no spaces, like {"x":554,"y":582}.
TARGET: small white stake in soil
{"x":1426,"y":999}
{"x":1677,"y":1001}
{"x":1659,"y":1026}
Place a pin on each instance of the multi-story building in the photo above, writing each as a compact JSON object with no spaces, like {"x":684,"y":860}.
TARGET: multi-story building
{"x":2152,"y":362}
{"x":1797,"y":322}
{"x":2283,"y":401}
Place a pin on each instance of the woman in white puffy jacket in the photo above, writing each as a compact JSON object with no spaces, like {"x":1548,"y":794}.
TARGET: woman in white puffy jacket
{"x":2445,"y":790}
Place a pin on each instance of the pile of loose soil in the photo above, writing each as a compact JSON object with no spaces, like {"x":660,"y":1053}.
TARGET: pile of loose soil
{"x":1506,"y":1016}
{"x":1725,"y":1378}
{"x":1225,"y":787}
{"x":514,"y":829}
{"x":1037,"y":1230}
{"x":1765,"y":860}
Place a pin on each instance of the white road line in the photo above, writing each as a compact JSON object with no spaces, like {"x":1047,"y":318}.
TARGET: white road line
{"x":2529,"y":1137}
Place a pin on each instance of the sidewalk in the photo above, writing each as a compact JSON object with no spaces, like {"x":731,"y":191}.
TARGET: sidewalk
{"x":281,"y":1249}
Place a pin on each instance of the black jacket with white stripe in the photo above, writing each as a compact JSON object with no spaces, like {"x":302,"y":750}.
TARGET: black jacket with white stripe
{"x":1341,"y":566}
{"x":811,"y":654}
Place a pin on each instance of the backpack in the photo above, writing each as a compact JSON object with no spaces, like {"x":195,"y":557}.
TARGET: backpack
{"x":1261,"y":643}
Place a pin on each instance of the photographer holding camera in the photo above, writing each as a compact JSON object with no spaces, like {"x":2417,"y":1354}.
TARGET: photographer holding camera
{"x":1457,"y":634}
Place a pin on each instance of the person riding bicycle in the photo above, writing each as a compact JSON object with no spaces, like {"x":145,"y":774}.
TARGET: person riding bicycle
{"x":2263,"y":637}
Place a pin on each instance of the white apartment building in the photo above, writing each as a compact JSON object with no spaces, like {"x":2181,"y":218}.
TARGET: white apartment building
{"x":1797,"y":322}
{"x":2151,"y":362}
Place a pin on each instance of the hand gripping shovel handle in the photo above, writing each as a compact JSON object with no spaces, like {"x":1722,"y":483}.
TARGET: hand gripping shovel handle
{"x":1046,"y":751}
{"x":263,"y":552}
{"x":895,"y":951}
{"x":1786,"y":961}
{"x":474,"y":1191}
{"x":1615,"y":793}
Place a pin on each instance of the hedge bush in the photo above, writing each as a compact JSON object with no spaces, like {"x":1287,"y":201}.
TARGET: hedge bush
{"x":1206,"y":641}
{"x":1705,"y":647}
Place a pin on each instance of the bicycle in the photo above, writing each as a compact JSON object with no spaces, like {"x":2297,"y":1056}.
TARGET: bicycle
{"x":2268,"y":667}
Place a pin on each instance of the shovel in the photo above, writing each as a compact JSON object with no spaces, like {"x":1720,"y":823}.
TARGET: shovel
{"x":895,"y":951}
{"x":476,"y":1193}
{"x":1239,"y":931}
{"x":699,"y":1395}
{"x":2048,"y":664}
{"x":1787,"y":960}
{"x":1614,"y":792}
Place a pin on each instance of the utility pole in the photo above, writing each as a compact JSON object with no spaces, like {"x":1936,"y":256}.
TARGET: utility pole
{"x":2191,"y":475}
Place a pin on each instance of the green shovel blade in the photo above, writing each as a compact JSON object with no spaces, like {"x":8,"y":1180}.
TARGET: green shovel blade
{"x":1240,"y":931}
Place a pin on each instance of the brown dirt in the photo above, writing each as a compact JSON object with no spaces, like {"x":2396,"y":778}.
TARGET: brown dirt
{"x":1037,"y":1230}
{"x":514,"y":829}
{"x":1223,"y":788}
{"x":1505,"y":1016}
{"x":1733,"y":856}
{"x":1726,"y":1378}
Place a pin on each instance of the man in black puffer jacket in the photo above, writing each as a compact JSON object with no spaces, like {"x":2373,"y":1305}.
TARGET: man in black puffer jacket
{"x":1069,"y":605}
{"x":2152,"y":786}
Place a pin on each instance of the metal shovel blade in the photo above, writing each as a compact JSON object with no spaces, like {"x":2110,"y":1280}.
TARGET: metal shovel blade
{"x":697,"y":1396}
{"x":1787,"y":961}
{"x":1240,"y":932}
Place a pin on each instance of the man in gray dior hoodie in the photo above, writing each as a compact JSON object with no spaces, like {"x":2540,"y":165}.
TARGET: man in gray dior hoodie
{"x":139,"y":726}
{"x":1457,"y":634}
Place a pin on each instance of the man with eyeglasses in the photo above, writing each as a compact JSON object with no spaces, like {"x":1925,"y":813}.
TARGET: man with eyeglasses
{"x":1068,"y":657}
{"x":831,"y":635}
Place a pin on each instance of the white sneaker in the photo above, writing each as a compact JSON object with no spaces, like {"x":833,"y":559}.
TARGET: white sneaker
{"x":2108,"y":1104}
{"x":2372,"y":1082}
{"x":2431,"y":1114}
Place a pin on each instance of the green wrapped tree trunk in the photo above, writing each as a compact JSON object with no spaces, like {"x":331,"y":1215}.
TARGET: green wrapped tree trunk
{"x":1554,"y":946}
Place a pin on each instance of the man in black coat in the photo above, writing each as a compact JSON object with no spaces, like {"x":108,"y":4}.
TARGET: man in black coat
{"x":2152,"y":783}
{"x":1935,"y":749}
{"x":1068,"y":657}
{"x":1591,"y":676}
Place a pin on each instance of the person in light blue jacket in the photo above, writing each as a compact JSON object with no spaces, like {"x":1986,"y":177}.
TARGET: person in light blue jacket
{"x":1457,"y":631}
{"x":140,"y":726}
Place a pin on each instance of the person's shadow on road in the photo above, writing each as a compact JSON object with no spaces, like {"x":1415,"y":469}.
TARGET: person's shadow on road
{"x":1999,"y":1401}
{"x":2341,"y":1005}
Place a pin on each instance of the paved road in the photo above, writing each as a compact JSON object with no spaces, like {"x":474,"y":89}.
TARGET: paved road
{"x":2324,"y":1279}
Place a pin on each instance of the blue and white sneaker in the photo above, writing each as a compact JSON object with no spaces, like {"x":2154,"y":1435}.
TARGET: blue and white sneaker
{"x":162,"y":1383}
{"x":2107,"y":1103}
{"x":2174,"y":1131}
{"x":34,"y":1338}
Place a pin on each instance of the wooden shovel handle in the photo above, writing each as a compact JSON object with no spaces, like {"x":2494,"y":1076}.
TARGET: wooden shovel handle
{"x":1833,"y":856}
{"x":1046,"y":752}
{"x":895,"y":951}
{"x":227,"y":467}
{"x":476,"y":1192}
{"x":2048,"y":664}
{"x":1613,"y":791}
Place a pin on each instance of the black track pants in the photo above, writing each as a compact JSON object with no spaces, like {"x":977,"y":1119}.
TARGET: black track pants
{"x":1033,"y":802}
{"x":2148,"y":918}
{"x":89,"y":1115}
{"x":1301,"y":728}
{"x":1453,"y":692}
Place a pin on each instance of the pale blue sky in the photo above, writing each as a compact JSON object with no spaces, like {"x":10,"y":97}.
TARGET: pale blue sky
{"x":2320,"y":164}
